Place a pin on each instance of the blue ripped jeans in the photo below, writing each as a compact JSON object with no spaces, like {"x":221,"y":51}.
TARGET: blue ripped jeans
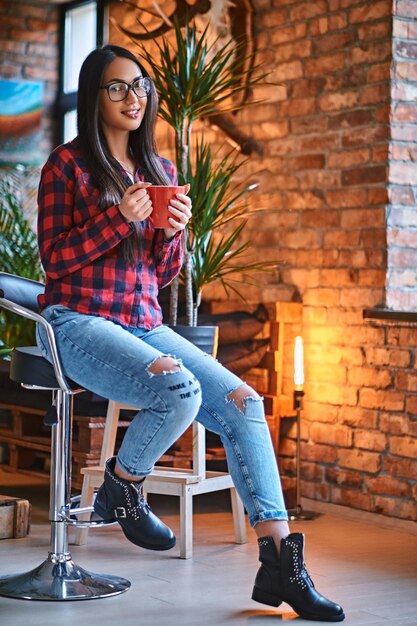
{"x":114,"y":362}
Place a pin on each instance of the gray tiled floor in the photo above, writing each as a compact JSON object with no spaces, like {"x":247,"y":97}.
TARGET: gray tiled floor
{"x":365,"y":562}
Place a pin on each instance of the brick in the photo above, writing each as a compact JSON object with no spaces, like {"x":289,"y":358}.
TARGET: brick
{"x":402,"y":467}
{"x":402,"y":257}
{"x":325,"y":64}
{"x":321,"y":219}
{"x":270,"y":19}
{"x":306,"y":10}
{"x":357,"y":416}
{"x":402,"y":336}
{"x":402,"y":218}
{"x":401,"y":152}
{"x":343,"y":477}
{"x":289,"y":51}
{"x":364,"y":136}
{"x":368,"y":462}
{"x":350,"y":119}
{"x":370,"y":440}
{"x":402,"y":195}
{"x":315,"y":411}
{"x":374,"y":30}
{"x":401,"y":300}
{"x":411,"y":405}
{"x":327,"y":297}
{"x":353,"y":218}
{"x":361,"y":297}
{"x":334,"y":41}
{"x":338,"y":101}
{"x":374,"y":278}
{"x":370,"y":52}
{"x":25,"y":35}
{"x":404,"y":446}
{"x":378,"y":399}
{"x":291,"y":70}
{"x":406,"y":8}
{"x":334,"y":394}
{"x":396,"y":508}
{"x":405,"y":49}
{"x":289,"y":33}
{"x":307,"y":125}
{"x":379,"y":72}
{"x":370,"y":377}
{"x":42,"y":25}
{"x":377,"y":195}
{"x":315,"y":491}
{"x":386,"y":485}
{"x":349,"y":78}
{"x":298,"y":107}
{"x":402,"y":279}
{"x":352,"y":497}
{"x":394,"y":424}
{"x":295,"y":240}
{"x":405,"y":113}
{"x":336,"y":435}
{"x":318,"y":453}
{"x":404,"y":91}
{"x":312,"y":471}
{"x":347,"y":158}
{"x":406,"y":380}
{"x":373,"y":94}
{"x":400,"y":358}
{"x":304,"y":200}
{"x":371,"y":11}
{"x":404,"y":28}
{"x":365,"y":175}
{"x":346,"y":198}
{"x":341,"y":239}
{"x":406,"y":70}
{"x":320,"y":179}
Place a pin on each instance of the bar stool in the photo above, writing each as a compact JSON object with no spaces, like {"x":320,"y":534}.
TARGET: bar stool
{"x":58,"y":577}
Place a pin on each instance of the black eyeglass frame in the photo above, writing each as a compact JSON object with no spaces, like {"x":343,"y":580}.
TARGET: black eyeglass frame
{"x":145,"y":82}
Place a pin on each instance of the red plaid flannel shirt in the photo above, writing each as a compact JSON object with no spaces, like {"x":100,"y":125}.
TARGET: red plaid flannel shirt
{"x":78,"y":245}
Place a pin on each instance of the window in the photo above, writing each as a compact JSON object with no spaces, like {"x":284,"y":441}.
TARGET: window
{"x":81,"y":32}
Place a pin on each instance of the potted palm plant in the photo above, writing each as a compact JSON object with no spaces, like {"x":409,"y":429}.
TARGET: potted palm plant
{"x":195,"y":81}
{"x":18,"y":255}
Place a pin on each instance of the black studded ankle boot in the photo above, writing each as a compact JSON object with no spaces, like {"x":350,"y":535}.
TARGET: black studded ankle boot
{"x":124,"y":501}
{"x":284,"y":578}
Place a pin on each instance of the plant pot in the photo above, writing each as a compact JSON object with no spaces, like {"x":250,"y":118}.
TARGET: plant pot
{"x":204,"y":337}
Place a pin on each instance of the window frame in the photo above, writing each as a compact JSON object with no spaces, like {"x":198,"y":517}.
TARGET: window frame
{"x":66,"y":102}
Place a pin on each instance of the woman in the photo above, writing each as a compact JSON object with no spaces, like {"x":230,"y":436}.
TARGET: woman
{"x":104,"y":265}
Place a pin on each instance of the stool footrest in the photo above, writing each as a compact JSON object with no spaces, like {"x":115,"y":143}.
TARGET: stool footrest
{"x":61,"y":581}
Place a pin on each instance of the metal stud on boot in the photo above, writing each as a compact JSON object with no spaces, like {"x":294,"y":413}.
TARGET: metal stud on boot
{"x":124,"y":501}
{"x":284,"y":578}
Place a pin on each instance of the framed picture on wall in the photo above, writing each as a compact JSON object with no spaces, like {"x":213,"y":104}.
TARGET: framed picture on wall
{"x":21,"y":104}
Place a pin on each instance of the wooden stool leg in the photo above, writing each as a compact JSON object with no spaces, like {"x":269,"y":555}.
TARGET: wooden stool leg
{"x":239,"y":521}
{"x":186,"y":523}
{"x":87,"y":495}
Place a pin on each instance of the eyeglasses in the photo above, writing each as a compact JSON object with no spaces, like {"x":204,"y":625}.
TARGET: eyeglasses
{"x":119,"y":91}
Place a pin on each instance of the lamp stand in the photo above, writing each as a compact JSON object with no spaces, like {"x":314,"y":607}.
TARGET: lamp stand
{"x":298,"y":514}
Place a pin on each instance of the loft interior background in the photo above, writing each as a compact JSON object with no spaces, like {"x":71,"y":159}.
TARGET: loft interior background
{"x":339,"y":142}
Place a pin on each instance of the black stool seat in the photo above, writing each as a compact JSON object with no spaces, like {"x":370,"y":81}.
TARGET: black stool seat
{"x":29,"y":367}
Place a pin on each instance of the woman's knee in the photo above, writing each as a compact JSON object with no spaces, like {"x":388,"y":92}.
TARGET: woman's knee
{"x":181,"y":388}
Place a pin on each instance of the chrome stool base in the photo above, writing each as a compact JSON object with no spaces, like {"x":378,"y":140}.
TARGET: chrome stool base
{"x":61,"y":581}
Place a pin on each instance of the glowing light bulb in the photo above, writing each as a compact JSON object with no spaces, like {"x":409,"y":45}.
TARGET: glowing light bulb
{"x":298,"y":364}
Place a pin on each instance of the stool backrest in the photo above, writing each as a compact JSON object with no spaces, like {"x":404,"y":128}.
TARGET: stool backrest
{"x":21,"y":291}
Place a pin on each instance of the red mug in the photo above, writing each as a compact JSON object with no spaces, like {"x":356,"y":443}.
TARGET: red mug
{"x":160,"y":196}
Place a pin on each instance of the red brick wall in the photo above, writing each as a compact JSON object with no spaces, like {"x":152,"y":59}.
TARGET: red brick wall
{"x":401,"y":217}
{"x":29,"y":50}
{"x":326,"y":138}
{"x":324,"y":175}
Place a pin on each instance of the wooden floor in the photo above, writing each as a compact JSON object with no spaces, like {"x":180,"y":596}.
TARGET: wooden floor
{"x":367,"y":563}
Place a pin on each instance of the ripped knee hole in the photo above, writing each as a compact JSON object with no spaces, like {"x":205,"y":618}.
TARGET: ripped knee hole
{"x":240,"y":395}
{"x":164,"y":365}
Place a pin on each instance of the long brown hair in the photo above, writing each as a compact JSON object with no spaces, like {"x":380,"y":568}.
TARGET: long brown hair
{"x":103,"y":167}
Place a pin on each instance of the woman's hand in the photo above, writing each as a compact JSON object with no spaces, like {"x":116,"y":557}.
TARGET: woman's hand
{"x":181,"y":211}
{"x":136,"y":205}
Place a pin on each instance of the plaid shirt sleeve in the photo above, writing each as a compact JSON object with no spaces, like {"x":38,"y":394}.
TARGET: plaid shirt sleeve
{"x":66,"y":246}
